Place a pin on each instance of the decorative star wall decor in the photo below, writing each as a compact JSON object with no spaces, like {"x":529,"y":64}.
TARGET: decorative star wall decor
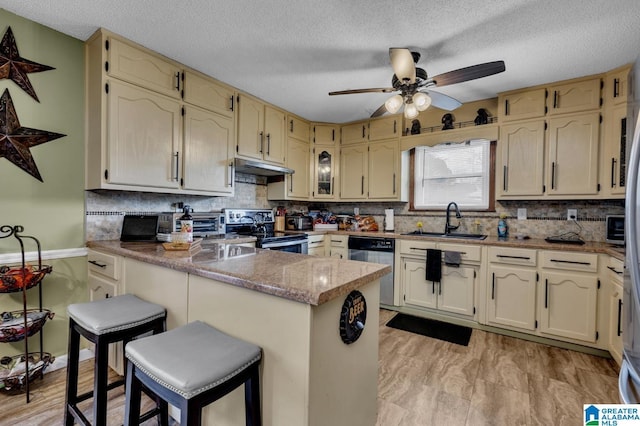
{"x":16,"y":140}
{"x":15,"y":67}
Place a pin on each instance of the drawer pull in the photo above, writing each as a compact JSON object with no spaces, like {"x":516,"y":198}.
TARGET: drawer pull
{"x":573,"y":262}
{"x":417,"y":248}
{"x":504,"y":256}
{"x":546,"y":294}
{"x":98,"y":264}
{"x":493,"y":286}
{"x":615,"y":270}
{"x":619,"y":316}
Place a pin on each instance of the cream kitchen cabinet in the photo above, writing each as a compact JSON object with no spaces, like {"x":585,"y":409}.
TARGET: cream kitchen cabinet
{"x":208,"y":152}
{"x":385,"y":128}
{"x":354,"y":133}
{"x":354,"y":170}
{"x":325,"y":172}
{"x":575,"y":96}
{"x":617,"y":86}
{"x":511,"y":292}
{"x":522,"y":104}
{"x":204,"y":92}
{"x":294,"y":186}
{"x":261,"y":130}
{"x":572,"y":162}
{"x":317,"y":245}
{"x":614,"y":160}
{"x":522,"y":159}
{"x":615,"y":273}
{"x":326,"y":134}
{"x":298,"y":128}
{"x":568,"y":295}
{"x":383,"y":177}
{"x":338,"y":246}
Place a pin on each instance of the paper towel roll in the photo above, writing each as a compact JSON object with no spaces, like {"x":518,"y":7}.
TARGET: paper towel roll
{"x":388,"y":220}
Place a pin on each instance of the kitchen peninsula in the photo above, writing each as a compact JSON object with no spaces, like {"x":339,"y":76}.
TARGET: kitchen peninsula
{"x":289,"y":304}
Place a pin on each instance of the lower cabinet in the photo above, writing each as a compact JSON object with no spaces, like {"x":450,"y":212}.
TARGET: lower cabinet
{"x":316,"y":245}
{"x":339,"y":246}
{"x":615,"y":271}
{"x":512,"y":297}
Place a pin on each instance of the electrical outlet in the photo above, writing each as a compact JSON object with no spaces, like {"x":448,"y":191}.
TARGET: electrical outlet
{"x":356,"y":211}
{"x":522,"y":214}
{"x":572,"y":214}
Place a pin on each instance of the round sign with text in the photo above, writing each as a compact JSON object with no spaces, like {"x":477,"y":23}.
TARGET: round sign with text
{"x":353,"y":317}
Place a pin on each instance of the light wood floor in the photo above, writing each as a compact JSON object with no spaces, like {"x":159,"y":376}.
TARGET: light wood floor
{"x":496,"y":380}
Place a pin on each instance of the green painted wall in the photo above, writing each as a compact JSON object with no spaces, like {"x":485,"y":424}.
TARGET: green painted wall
{"x":53,"y":210}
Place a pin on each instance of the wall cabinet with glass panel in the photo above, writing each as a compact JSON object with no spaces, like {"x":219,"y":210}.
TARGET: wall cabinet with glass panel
{"x":325,"y":161}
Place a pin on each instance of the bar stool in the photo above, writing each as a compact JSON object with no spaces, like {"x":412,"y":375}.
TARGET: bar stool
{"x":119,"y":318}
{"x":190,"y":367}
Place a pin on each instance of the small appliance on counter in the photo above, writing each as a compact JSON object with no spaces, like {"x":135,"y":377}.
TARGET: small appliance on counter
{"x":205,"y":224}
{"x":615,"y":229}
{"x":299,"y":223}
{"x":388,"y":220}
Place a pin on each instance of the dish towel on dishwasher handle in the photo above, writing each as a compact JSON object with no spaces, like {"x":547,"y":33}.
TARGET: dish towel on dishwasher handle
{"x":434,"y":265}
{"x":452,"y":258}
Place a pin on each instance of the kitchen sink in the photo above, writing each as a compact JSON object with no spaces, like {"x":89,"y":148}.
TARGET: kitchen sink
{"x":450,"y":235}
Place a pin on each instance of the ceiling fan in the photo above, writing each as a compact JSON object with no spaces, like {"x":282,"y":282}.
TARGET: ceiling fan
{"x":412,"y":81}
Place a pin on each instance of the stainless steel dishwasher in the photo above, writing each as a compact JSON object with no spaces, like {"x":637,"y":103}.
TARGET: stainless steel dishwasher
{"x":376,"y":250}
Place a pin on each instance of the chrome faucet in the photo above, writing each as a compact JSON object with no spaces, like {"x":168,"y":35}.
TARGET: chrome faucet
{"x":448,"y":227}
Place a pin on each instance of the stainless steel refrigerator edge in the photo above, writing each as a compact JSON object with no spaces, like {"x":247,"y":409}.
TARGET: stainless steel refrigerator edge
{"x":629,"y":380}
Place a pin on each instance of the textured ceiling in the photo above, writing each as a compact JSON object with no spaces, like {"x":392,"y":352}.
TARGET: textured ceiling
{"x":292,"y":53}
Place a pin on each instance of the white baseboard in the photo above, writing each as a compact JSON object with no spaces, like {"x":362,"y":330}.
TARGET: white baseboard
{"x":61,"y":361}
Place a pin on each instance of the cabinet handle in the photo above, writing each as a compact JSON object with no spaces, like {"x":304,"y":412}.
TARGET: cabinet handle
{"x":106,"y":296}
{"x":230,"y":178}
{"x":395,"y":127}
{"x":268,"y":143}
{"x":417,"y":248}
{"x":555,"y":99}
{"x":178,"y":81}
{"x":614,"y":270}
{"x":332,"y":184}
{"x":506,"y":107}
{"x":553,"y":174}
{"x":291,"y":126}
{"x":616,"y":93}
{"x":573,"y":262}
{"x":493,"y":286}
{"x":333,"y":134}
{"x":290,"y":183}
{"x":619,"y":316}
{"x":261,"y":140}
{"x":363,"y":131}
{"x":394,"y":183}
{"x":177,"y":157}
{"x":504,"y":256}
{"x":440,"y":287}
{"x":546,"y":294}
{"x":362,"y":185}
{"x":231,"y":106}
{"x":98,"y":264}
{"x":613,"y":172}
{"x":433,"y":287}
{"x":504,"y":178}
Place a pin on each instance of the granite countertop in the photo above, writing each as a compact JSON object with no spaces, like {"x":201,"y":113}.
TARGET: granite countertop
{"x":531,"y":243}
{"x":301,"y":278}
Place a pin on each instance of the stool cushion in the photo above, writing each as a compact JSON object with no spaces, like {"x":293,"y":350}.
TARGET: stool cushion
{"x":193,"y":358}
{"x":114,"y":313}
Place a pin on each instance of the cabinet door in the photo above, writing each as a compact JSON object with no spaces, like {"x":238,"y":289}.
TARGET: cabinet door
{"x":354,"y":133}
{"x":615,"y":157}
{"x":250,"y":127}
{"x":144,"y":137}
{"x":456,"y":290}
{"x":512,"y":297}
{"x":615,"y":322}
{"x":208,"y":138}
{"x":574,"y":97}
{"x":144,"y":69}
{"x":298,"y":160}
{"x":573,"y":155}
{"x":522,"y":105}
{"x":274,"y":134}
{"x":325,"y":134}
{"x":208,"y":94}
{"x":417,"y":290}
{"x":324,"y":176}
{"x":99,"y":288}
{"x":567,"y":305}
{"x":617,"y":87}
{"x":522,"y":150}
{"x":384,"y":128}
{"x":298,"y":128}
{"x":384,"y":163}
{"x":353,"y":172}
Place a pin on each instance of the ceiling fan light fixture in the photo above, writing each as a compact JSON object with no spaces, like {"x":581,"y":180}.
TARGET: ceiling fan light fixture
{"x":410,"y":111}
{"x":421,"y":100}
{"x":393,"y":104}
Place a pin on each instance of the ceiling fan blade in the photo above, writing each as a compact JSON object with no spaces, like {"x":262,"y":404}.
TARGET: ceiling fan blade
{"x":373,"y":90}
{"x":443,"y":101}
{"x":468,"y":73}
{"x":402,"y":62}
{"x":379,"y":112}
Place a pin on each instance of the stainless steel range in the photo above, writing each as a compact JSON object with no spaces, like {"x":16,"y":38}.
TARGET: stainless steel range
{"x":260,"y":223}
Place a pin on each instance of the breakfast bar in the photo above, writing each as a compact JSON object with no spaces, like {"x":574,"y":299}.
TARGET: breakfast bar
{"x":316,"y":320}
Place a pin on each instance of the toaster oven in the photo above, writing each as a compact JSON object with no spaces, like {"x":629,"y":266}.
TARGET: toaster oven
{"x":615,"y":229}
{"x":204,"y":224}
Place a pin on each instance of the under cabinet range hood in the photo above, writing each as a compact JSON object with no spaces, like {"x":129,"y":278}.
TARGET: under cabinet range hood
{"x":256,"y":167}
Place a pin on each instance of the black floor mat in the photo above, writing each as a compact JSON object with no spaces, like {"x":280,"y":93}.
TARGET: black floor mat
{"x":452,"y":333}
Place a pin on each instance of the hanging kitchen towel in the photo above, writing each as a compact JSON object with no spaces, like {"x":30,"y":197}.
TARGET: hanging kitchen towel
{"x":452,"y":258}
{"x":434,"y":265}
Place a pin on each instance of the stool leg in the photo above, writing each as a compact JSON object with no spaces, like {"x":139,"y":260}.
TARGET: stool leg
{"x":73,"y":354}
{"x":132,"y":399}
{"x":252,"y":397}
{"x":190,"y":413}
{"x":100,"y":383}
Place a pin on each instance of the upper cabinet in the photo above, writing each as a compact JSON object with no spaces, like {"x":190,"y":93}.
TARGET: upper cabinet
{"x":385,"y":128}
{"x":141,"y":135}
{"x":325,"y":134}
{"x":298,"y":128}
{"x":261,"y":130}
{"x":575,"y":96}
{"x":202,"y":91}
{"x":522,"y":159}
{"x":617,"y":86}
{"x":522,"y":104}
{"x":354,"y":133}
{"x":325,"y":160}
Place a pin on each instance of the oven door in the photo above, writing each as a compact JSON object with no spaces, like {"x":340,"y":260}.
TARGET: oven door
{"x":292,"y":246}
